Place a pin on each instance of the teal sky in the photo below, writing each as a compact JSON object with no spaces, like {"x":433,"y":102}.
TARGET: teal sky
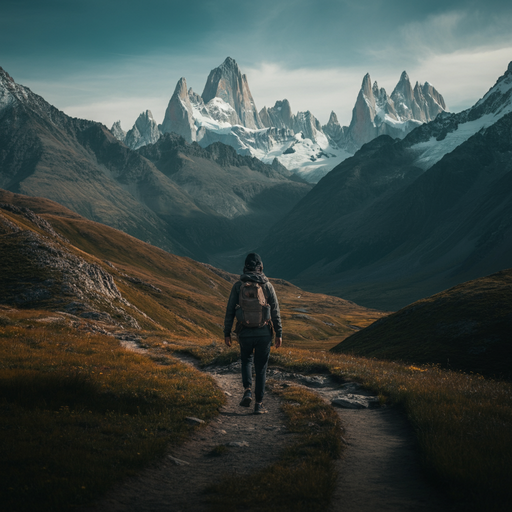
{"x":107,"y":60}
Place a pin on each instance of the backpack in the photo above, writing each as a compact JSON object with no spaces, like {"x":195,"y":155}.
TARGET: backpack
{"x":253,"y":310}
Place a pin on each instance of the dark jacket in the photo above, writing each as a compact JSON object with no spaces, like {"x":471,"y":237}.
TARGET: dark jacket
{"x":271,"y":298}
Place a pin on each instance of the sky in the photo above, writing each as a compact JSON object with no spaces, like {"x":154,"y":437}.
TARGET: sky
{"x":110,"y":60}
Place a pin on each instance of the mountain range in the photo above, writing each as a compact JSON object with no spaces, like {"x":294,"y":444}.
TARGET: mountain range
{"x":226,"y":112}
{"x":401,"y":219}
{"x":183,"y":198}
{"x":406,"y":218}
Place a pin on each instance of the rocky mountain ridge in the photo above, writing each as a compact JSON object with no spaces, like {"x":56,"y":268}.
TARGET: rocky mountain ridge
{"x":403,"y":219}
{"x":40,"y":269}
{"x":83,"y":166}
{"x":226,"y":112}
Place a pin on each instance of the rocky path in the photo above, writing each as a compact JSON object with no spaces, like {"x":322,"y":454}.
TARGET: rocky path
{"x":177,"y":482}
{"x":379,"y":471}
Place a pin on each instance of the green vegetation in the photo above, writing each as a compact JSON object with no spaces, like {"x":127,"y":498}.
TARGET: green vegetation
{"x":78,"y":413}
{"x":304,"y":478}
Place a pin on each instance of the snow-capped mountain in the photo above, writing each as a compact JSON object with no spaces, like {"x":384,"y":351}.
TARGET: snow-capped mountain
{"x":228,"y":84}
{"x":226,"y":112}
{"x":375,"y":113}
{"x":448,"y":131}
{"x":406,"y":218}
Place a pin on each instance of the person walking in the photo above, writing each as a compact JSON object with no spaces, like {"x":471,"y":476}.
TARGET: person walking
{"x":253,"y":302}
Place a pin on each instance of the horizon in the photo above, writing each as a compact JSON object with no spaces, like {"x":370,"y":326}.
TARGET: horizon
{"x":112,"y":61}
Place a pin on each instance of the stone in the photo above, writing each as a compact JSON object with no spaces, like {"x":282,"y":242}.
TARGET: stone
{"x":178,"y":462}
{"x":237,"y":444}
{"x":349,"y":404}
{"x":351,"y":401}
{"x":194,"y":421}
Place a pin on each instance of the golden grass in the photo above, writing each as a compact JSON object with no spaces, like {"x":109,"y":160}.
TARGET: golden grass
{"x":463,"y":421}
{"x":304,"y":478}
{"x":78,"y":413}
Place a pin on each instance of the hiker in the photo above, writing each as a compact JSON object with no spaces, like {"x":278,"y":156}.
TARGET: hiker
{"x":253,"y":302}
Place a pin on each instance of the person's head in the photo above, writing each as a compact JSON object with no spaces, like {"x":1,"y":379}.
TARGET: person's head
{"x":253,"y":263}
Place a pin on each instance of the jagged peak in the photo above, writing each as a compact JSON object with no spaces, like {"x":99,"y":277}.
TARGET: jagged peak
{"x":404,"y":77}
{"x":333,"y":118}
{"x":366,"y":86}
{"x":509,"y":69}
{"x":282,"y":103}
{"x":229,"y":62}
{"x":6,"y":75}
{"x":146,"y":115}
{"x":181,"y":87}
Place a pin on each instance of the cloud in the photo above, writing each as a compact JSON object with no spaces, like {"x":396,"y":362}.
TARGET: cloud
{"x":317,"y":90}
{"x":463,"y":77}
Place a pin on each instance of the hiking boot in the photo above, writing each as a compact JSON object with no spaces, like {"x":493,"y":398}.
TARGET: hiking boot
{"x":259,"y":409}
{"x":246,"y":399}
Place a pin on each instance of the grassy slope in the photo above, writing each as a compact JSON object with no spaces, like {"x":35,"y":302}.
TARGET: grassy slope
{"x":451,"y":412}
{"x":78,"y":412}
{"x":59,"y":383}
{"x":466,"y":328}
{"x":192,"y":297}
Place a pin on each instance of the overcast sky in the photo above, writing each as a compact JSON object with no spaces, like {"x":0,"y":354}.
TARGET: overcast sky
{"x":110,"y":59}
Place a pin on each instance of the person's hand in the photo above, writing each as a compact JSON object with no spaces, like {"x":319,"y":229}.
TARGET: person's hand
{"x":227,"y":341}
{"x":279,"y":342}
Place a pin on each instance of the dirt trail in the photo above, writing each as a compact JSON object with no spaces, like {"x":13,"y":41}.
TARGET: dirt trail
{"x":381,"y":466}
{"x":379,"y":471}
{"x":173,"y":486}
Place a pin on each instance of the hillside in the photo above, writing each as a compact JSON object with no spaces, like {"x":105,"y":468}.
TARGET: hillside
{"x":54,"y":259}
{"x":250,"y":195}
{"x":464,"y":328}
{"x":404,"y":219}
{"x":81,"y":165}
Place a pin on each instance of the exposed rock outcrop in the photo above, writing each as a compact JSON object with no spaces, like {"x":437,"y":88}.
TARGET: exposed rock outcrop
{"x":334,"y":131}
{"x":178,"y":116}
{"x":227,"y":83}
{"x":118,"y":132}
{"x":48,"y":273}
{"x":145,"y":131}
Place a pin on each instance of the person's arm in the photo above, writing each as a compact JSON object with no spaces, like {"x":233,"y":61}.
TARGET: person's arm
{"x":275,"y":315}
{"x":230,"y":313}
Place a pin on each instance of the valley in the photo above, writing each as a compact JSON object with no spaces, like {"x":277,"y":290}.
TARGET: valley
{"x":391,"y":263}
{"x":75,"y":292}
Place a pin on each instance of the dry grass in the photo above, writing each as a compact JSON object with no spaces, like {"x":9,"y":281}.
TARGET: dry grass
{"x":467,"y":327}
{"x":305,"y":477}
{"x":463,"y":421}
{"x":78,"y":413}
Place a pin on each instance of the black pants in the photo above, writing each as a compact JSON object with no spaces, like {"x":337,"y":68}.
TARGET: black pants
{"x":257,"y":349}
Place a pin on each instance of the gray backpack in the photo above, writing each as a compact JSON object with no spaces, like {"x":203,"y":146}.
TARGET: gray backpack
{"x":253,"y":310}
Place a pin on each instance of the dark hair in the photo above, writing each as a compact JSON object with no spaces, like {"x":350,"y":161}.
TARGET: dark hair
{"x":253,"y":263}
